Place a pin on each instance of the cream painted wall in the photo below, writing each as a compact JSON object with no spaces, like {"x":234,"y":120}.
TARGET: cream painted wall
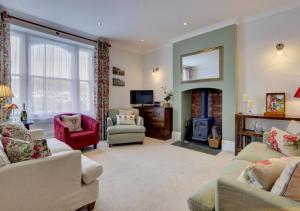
{"x":132,"y":63}
{"x":259,"y":68}
{"x":161,"y":58}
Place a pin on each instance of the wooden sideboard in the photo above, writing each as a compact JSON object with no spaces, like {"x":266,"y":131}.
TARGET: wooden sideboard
{"x":243,"y":135}
{"x":158,"y":122}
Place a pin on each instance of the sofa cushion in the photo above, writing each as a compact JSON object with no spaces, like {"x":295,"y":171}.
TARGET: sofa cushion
{"x":204,"y":198}
{"x":18,"y":150}
{"x":263,"y":174}
{"x":256,"y":151}
{"x":90,"y":170}
{"x":126,"y":129}
{"x":288,"y":184}
{"x":78,"y":136}
{"x":282,"y":142}
{"x":15,"y":130}
{"x":56,"y":146}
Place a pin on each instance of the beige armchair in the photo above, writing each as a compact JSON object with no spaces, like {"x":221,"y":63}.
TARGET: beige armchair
{"x":118,"y":134}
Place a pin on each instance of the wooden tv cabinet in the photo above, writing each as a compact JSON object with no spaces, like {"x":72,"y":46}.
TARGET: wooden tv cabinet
{"x":158,"y":121}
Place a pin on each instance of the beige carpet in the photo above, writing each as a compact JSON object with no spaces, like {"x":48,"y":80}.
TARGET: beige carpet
{"x":155,"y":176}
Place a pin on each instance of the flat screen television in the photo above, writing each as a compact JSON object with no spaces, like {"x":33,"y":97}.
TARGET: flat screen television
{"x":141,"y":97}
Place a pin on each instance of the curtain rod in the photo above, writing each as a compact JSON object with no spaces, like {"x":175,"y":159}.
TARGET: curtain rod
{"x":4,"y":14}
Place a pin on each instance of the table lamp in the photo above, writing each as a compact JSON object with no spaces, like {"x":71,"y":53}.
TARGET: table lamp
{"x":5,"y":92}
{"x":297,"y":94}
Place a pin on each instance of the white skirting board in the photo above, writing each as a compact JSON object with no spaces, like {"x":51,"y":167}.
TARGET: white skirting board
{"x":176,"y":136}
{"x":227,"y":145}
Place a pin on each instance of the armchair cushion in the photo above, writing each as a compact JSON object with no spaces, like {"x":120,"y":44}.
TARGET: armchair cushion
{"x":90,"y":170}
{"x":125,"y":120}
{"x":73,"y":122}
{"x":126,"y":112}
{"x":117,"y":129}
{"x":77,"y":136}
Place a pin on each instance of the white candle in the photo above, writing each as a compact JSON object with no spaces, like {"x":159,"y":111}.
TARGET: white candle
{"x":250,"y":103}
{"x":245,"y":97}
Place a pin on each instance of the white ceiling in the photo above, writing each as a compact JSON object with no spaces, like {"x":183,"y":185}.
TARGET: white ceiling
{"x":126,"y":22}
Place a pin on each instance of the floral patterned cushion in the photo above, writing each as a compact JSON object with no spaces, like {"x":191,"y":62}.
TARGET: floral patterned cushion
{"x":19,"y":150}
{"x":14,"y":130}
{"x":263,"y":174}
{"x":283,"y":142}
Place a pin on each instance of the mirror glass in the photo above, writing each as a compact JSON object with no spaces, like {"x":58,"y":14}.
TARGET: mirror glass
{"x":202,"y":65}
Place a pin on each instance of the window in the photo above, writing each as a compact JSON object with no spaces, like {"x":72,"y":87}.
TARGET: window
{"x":51,"y":76}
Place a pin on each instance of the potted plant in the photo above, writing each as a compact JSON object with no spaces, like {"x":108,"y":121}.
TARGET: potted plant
{"x":168,"y":96}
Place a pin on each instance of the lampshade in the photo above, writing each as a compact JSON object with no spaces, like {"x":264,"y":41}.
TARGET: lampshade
{"x":5,"y":91}
{"x":297,"y":94}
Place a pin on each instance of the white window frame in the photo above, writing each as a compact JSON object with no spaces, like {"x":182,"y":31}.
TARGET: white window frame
{"x":25,"y":78}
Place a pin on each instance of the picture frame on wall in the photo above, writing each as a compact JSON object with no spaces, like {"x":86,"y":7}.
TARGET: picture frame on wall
{"x":118,"y":71}
{"x":275,"y":104}
{"x":118,"y":82}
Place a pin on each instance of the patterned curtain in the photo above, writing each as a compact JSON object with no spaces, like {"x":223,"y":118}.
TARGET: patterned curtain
{"x":5,"y":73}
{"x":102,"y":85}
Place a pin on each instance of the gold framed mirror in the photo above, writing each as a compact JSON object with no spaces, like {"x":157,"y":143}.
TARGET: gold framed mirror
{"x":202,"y":65}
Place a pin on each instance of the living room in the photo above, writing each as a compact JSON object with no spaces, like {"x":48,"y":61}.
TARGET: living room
{"x":132,"y":105}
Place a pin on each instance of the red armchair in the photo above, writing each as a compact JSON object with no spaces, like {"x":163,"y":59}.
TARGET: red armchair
{"x":79,"y":139}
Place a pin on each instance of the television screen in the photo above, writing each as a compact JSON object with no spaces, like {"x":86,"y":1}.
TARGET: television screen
{"x":141,"y":97}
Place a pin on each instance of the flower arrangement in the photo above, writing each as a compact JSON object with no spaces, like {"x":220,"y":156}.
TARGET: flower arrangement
{"x":8,"y":109}
{"x":10,"y":106}
{"x":168,"y":94}
{"x":292,"y":140}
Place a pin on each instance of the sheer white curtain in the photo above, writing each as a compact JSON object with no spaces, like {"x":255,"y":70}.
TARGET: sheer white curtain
{"x":57,"y":76}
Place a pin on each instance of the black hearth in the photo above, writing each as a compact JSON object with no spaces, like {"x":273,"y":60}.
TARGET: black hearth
{"x":202,"y":124}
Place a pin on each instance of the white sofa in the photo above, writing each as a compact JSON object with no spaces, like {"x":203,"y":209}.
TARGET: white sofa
{"x":65,"y":181}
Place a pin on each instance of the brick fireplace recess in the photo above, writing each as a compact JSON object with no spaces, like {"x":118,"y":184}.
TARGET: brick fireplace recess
{"x":206,"y":113}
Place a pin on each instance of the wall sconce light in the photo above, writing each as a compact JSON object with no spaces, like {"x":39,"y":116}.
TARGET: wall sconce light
{"x":155,"y":70}
{"x":279,"y":48}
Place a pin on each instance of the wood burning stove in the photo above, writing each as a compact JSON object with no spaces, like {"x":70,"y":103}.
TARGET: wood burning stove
{"x":202,"y":125}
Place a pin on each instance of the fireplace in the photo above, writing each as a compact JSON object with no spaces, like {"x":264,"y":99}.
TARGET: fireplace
{"x":206,"y":113}
{"x":202,"y":125}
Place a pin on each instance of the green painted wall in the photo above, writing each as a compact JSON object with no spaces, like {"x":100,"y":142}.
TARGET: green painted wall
{"x":225,"y":37}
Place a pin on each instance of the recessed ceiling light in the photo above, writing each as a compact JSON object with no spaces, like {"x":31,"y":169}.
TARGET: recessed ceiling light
{"x":185,"y":23}
{"x":142,"y":40}
{"x":99,"y":23}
